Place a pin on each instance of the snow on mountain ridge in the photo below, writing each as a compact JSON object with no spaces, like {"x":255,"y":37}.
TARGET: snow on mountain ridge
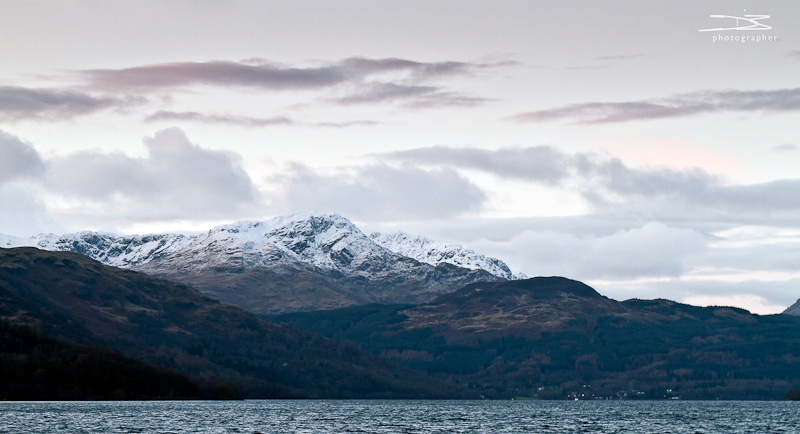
{"x":324,"y":240}
{"x":111,"y":249}
{"x":435,"y":252}
{"x":327,"y":241}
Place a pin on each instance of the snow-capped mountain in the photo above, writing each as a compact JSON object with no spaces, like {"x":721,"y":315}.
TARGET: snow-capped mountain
{"x":434,"y":253}
{"x":327,"y":241}
{"x":122,"y":251}
{"x":301,"y":261}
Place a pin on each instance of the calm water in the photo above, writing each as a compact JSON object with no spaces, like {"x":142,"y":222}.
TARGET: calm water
{"x":400,"y":417}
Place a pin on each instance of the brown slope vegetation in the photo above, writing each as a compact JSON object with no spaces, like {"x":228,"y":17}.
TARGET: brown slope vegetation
{"x":520,"y":308}
{"x":72,"y":297}
{"x":296,"y":287}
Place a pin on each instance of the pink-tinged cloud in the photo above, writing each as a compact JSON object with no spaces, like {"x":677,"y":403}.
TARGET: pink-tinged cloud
{"x":352,"y":81}
{"x":261,"y":74}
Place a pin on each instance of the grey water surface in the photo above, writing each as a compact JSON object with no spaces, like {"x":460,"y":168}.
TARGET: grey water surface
{"x":401,"y":417}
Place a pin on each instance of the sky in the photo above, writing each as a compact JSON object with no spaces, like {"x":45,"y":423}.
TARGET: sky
{"x":648,"y":148}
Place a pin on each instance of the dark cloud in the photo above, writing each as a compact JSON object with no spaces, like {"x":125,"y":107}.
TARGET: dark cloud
{"x":380,"y":192}
{"x":177,"y":179}
{"x":24,"y":103}
{"x":18,"y":160}
{"x":780,"y":100}
{"x":218,"y":119}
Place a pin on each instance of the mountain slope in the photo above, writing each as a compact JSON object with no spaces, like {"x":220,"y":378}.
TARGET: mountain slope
{"x":523,"y":308}
{"x":555,"y":337}
{"x":69,"y":296}
{"x":37,"y":368}
{"x":434,"y":253}
{"x":793,"y":309}
{"x":289,"y":263}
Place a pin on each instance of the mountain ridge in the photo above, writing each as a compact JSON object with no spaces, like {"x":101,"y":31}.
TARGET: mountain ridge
{"x":302,"y":261}
{"x":282,"y":234}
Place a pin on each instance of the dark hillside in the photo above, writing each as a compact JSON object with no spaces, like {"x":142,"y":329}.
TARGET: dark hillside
{"x":36,"y":368}
{"x":74,"y":298}
{"x":555,"y":338}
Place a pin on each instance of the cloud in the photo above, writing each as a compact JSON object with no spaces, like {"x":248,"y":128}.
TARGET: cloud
{"x":24,"y":211}
{"x":260,"y":74}
{"x":620,"y":57}
{"x":601,"y":62}
{"x":380,"y":192}
{"x":652,"y":250}
{"x":246,"y":121}
{"x":608,"y":179}
{"x":786,"y":147}
{"x":25,"y":103}
{"x":415,"y":96}
{"x":217,"y":73}
{"x":218,"y":119}
{"x":780,"y":100}
{"x":355,"y":80}
{"x":356,"y":123}
{"x":420,"y":70}
{"x":379,"y":92}
{"x":777,"y":198}
{"x":177,"y":180}
{"x":542,"y":164}
{"x":550,"y":166}
{"x":18,"y":160}
{"x":607,"y":183}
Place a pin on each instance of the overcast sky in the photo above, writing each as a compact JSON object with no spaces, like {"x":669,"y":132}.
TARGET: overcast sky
{"x":613,"y":142}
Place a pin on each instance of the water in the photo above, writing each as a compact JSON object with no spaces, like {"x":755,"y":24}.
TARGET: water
{"x":692,"y":417}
